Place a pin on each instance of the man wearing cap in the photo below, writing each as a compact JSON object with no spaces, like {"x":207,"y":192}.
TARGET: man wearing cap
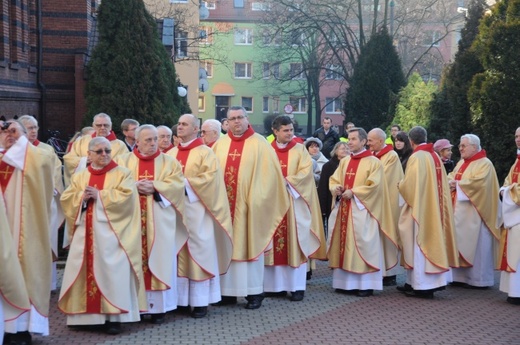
{"x":443,"y":149}
{"x":328,"y":137}
{"x":509,"y":254}
{"x":426,"y":223}
{"x":474,"y":189}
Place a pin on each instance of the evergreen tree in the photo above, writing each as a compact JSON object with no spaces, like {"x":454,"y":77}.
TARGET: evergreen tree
{"x":413,"y":108}
{"x":130,"y":72}
{"x":439,"y":127}
{"x":495,"y":93}
{"x":376,"y":80}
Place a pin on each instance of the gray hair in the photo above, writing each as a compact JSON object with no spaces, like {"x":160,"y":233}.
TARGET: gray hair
{"x":28,"y":119}
{"x":215,"y":125}
{"x":98,"y":140}
{"x":418,"y":135}
{"x":336,"y":147}
{"x":127,"y":122}
{"x":380,"y":133}
{"x":238,"y":107}
{"x":472,"y":139}
{"x":361,"y":132}
{"x":102,"y":115}
{"x":143,"y":127}
{"x":166,"y":128}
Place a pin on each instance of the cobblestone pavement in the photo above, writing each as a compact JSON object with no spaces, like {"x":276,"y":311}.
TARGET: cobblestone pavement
{"x":455,"y":316}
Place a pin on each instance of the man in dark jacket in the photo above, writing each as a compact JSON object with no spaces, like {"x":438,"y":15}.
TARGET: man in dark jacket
{"x":327,"y":135}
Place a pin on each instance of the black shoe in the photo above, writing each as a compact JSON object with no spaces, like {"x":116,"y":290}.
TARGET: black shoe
{"x":458,"y":284}
{"x":347,"y":292}
{"x":254,"y":301}
{"x":309,"y":274}
{"x":7,"y":338}
{"x":275,"y":294}
{"x":226,"y":300}
{"x":473,"y":287}
{"x":20,"y":338}
{"x":158,"y":318}
{"x":199,"y":312}
{"x":513,"y":300}
{"x":405,"y":288}
{"x":183,"y":309}
{"x":365,"y":293}
{"x":389,"y":281}
{"x":113,"y":328}
{"x":426,"y":294}
{"x":297,"y":295}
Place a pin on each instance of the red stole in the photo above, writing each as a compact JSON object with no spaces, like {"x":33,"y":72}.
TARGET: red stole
{"x":184,"y":151}
{"x":232,"y":166}
{"x":384,"y":151}
{"x":110,"y":137}
{"x":145,"y":171}
{"x":168,"y":148}
{"x":6,"y":171}
{"x":93,"y":296}
{"x":438,"y":173}
{"x":36,"y":142}
{"x":514,"y":179}
{"x":212,"y":143}
{"x":280,"y":238}
{"x":463,"y":167}
{"x":346,"y":204}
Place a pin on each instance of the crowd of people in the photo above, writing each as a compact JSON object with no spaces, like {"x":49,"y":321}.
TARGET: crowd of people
{"x":154,"y":224}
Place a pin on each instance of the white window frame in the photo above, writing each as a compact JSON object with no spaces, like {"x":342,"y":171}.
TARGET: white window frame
{"x":210,"y":5}
{"x":299,"y":104}
{"x":265,"y":104}
{"x":331,"y":72}
{"x":275,"y":70}
{"x":332,"y":105}
{"x":202,"y":100}
{"x":248,"y":68}
{"x":180,"y":37}
{"x":208,"y":66}
{"x":178,"y":1}
{"x":266,"y":70}
{"x":260,"y":6}
{"x":293,"y":71}
{"x":276,"y":105}
{"x":243,"y":36}
{"x":243,"y":98}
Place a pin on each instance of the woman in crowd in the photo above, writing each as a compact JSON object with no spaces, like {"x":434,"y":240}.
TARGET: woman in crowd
{"x":403,"y":148}
{"x":314,"y":146}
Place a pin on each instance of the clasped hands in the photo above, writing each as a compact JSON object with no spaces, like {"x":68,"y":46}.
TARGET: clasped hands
{"x":345,"y":194}
{"x":145,"y":187}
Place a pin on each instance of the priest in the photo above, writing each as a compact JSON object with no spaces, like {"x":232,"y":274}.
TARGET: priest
{"x":360,"y":221}
{"x":258,"y":203}
{"x":301,"y":235}
{"x":103,"y":280}
{"x":207,"y":254}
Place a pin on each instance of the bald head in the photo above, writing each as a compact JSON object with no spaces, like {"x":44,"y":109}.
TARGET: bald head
{"x":187,"y":127}
{"x":376,"y":139}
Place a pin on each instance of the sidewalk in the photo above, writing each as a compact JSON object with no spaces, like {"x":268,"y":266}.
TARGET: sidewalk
{"x":454,"y":316}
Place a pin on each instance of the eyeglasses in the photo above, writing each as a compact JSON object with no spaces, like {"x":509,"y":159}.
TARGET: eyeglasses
{"x":238,"y":118}
{"x":165,"y":136}
{"x":463,"y":146}
{"x":99,"y":125}
{"x":204,"y":131}
{"x":100,"y":151}
{"x":32,"y":128}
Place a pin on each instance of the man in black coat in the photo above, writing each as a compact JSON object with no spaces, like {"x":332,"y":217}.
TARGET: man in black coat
{"x":327,"y":135}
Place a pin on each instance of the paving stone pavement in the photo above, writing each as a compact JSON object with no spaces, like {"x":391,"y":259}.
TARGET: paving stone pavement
{"x":454,"y":316}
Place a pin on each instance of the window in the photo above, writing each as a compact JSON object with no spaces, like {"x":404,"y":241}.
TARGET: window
{"x":181,"y":44}
{"x":243,"y":70}
{"x":208,"y":66}
{"x":298,"y":104}
{"x":297,"y":38}
{"x":332,"y":72}
{"x":275,"y":70}
{"x":260,"y":6}
{"x":238,"y":3}
{"x":243,"y":36}
{"x":332,"y":105}
{"x":276,"y":105}
{"x":178,"y":1}
{"x":202,"y":103}
{"x":206,"y":35}
{"x":266,"y":70}
{"x":268,"y":38}
{"x":296,"y":71}
{"x":431,"y":38}
{"x":265,"y":104}
{"x":210,"y":5}
{"x":247,"y":103}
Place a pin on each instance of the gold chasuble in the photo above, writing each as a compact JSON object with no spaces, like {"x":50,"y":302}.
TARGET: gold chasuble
{"x":477,"y":179}
{"x":509,"y":259}
{"x":103,"y":274}
{"x":255,"y":189}
{"x":427,"y":198}
{"x":27,"y":186}
{"x":301,"y":233}
{"x":204,"y":176}
{"x":12,"y":284}
{"x":76,"y":158}
{"x":162,"y":230}
{"x":354,"y":244}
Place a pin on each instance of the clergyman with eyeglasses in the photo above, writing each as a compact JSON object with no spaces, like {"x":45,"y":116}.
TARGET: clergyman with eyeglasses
{"x":103,"y":280}
{"x":77,"y":158}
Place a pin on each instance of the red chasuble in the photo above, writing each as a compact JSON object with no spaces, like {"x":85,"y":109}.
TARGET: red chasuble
{"x":146,"y":171}
{"x":233,"y":165}
{"x":346,"y":204}
{"x":280,"y":257}
{"x":6,"y":171}
{"x":503,"y":263}
{"x":97,"y":180}
{"x":184,"y":151}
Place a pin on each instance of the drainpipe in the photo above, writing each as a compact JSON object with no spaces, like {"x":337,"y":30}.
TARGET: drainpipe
{"x":41,"y":85}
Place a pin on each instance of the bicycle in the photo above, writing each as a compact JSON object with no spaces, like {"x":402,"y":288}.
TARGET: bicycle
{"x":59,"y":145}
